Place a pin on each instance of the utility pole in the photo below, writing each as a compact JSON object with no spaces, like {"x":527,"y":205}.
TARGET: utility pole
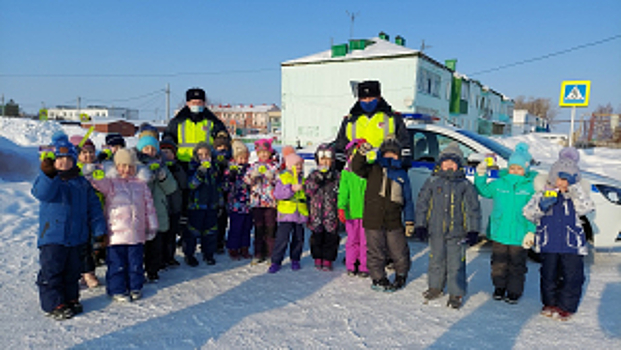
{"x":167,"y":101}
{"x":3,"y":106}
{"x":79,"y":108}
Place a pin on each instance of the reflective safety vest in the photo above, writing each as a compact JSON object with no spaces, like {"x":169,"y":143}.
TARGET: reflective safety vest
{"x":189,"y":134}
{"x":297,"y":202}
{"x":374,"y":130}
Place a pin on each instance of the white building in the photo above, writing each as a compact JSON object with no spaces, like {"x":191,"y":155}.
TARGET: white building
{"x":318,"y":90}
{"x":525,"y":123}
{"x":259,"y":118}
{"x":93,"y":112}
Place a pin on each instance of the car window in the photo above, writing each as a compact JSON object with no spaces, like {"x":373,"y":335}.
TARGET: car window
{"x":428,"y":145}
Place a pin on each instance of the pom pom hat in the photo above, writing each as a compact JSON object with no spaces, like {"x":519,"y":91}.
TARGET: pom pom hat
{"x":148,"y":141}
{"x":566,"y":165}
{"x":238,"y":148}
{"x":263,"y":145}
{"x":521,"y":156}
{"x":62,"y":146}
{"x":125,"y":156}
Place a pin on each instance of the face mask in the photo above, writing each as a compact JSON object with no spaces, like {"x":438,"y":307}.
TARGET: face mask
{"x":368,"y":106}
{"x":197,"y":109}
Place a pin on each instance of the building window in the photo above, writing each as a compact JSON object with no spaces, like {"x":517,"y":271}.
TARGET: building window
{"x":428,"y":83}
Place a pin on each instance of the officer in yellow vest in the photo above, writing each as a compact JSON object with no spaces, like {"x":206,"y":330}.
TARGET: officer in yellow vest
{"x":371,"y":118}
{"x":193,"y":124}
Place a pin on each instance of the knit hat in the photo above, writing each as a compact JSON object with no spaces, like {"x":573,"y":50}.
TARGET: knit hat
{"x":125,"y":156}
{"x":115,"y":139}
{"x":390,"y":144}
{"x":222,"y":139}
{"x":62,"y":146}
{"x":238,"y":148}
{"x":148,"y":129}
{"x":287,"y":150}
{"x":195,"y":94}
{"x":521,"y":156}
{"x":292,"y":159}
{"x":452,"y":152}
{"x":168,"y":144}
{"x":76,"y":139}
{"x":148,"y":141}
{"x":263,"y":145}
{"x":324,"y":150}
{"x":565,"y":166}
{"x":369,"y":88}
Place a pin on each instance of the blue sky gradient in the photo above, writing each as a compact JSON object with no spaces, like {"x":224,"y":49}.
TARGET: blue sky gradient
{"x":123,"y":53}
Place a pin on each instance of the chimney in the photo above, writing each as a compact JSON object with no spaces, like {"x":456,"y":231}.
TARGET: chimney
{"x":384,"y":36}
{"x":399,"y":40}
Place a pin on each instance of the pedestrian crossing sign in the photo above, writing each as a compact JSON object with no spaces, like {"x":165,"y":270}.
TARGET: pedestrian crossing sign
{"x":575,"y":93}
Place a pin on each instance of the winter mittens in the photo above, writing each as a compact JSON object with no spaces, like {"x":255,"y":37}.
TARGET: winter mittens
{"x":472,"y":238}
{"x":47,"y":167}
{"x":421,"y":233}
{"x":548,"y":200}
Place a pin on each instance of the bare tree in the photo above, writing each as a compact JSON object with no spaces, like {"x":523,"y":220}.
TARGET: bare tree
{"x":607,"y":109}
{"x":541,"y":107}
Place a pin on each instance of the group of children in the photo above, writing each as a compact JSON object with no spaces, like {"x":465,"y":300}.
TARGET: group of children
{"x":147,"y":198}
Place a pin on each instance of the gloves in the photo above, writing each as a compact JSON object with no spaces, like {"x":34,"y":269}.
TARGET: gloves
{"x":47,"y":167}
{"x":548,"y":200}
{"x":528,"y":241}
{"x":105,"y":154}
{"x":421,"y":233}
{"x":365,"y":148}
{"x":472,"y":238}
{"x":342,"y":217}
{"x":482,"y":168}
{"x":409,"y":228}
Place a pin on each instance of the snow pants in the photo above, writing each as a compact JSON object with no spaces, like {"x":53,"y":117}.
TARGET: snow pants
{"x":169,"y":238}
{"x":58,"y":279}
{"x":153,"y":254}
{"x":356,"y":246}
{"x":380,"y":242}
{"x":223,"y":222}
{"x":86,"y":256}
{"x":447,"y":264}
{"x":239,"y":231}
{"x":509,"y":267}
{"x":288,"y":232}
{"x":324,"y":245}
{"x":202,"y":225}
{"x":264,"y":231}
{"x":125,"y":271}
{"x":562,"y":277}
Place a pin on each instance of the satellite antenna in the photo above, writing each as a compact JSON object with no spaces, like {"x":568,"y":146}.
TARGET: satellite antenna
{"x":352,"y":17}
{"x":423,"y":46}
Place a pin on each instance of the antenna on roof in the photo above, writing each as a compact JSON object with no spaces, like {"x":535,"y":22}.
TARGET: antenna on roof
{"x":423,"y":46}
{"x":352,"y":17}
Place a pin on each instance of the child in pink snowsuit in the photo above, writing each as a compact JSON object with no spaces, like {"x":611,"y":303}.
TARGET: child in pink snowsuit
{"x":350,"y":207}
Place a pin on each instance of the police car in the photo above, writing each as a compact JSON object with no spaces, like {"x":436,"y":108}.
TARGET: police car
{"x":603,"y":226}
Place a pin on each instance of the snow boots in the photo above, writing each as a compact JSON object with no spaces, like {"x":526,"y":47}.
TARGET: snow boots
{"x":499,"y":293}
{"x":382,"y":285}
{"x":432,"y":293}
{"x":454,"y":301}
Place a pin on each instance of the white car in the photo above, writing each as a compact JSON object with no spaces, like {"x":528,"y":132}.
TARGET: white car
{"x":603,"y":227}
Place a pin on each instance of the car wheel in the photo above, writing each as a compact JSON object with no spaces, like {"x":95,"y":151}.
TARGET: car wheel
{"x":588,"y":230}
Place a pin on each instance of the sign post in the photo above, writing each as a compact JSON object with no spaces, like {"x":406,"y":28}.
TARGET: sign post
{"x":574,"y":93}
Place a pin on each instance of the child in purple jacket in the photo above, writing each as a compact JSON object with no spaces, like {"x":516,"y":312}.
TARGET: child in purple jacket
{"x":292,"y":214}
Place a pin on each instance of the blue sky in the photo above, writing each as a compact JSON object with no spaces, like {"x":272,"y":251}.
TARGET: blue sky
{"x":123,"y":53}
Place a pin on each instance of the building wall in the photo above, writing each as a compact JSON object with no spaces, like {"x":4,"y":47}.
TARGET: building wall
{"x":316,"y":97}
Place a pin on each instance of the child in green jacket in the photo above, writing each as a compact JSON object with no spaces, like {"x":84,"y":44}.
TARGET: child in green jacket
{"x":350,"y":205}
{"x":508,"y":226}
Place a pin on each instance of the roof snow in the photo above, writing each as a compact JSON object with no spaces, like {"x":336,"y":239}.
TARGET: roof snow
{"x":376,"y":48}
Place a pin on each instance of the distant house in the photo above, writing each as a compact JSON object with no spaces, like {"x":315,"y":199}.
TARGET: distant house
{"x":91,"y":112}
{"x":240,"y":119}
{"x":525,"y":123}
{"x":109,"y":126}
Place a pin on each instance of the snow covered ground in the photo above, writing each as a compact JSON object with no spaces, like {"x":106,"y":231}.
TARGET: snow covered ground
{"x":232,"y":305}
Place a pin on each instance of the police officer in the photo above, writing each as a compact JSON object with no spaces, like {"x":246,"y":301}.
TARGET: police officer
{"x":193,"y":124}
{"x":371,"y":118}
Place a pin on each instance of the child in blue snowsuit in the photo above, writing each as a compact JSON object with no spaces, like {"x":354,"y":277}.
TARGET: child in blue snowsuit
{"x":69,"y":210}
{"x":560,"y":236}
{"x":204,"y":201}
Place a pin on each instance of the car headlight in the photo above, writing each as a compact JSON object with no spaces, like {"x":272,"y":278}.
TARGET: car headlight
{"x":613,"y":194}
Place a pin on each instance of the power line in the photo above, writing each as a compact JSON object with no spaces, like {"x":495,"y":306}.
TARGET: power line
{"x":534,"y":59}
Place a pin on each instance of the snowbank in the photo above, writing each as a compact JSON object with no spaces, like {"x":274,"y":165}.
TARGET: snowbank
{"x":17,"y":163}
{"x":600,"y":160}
